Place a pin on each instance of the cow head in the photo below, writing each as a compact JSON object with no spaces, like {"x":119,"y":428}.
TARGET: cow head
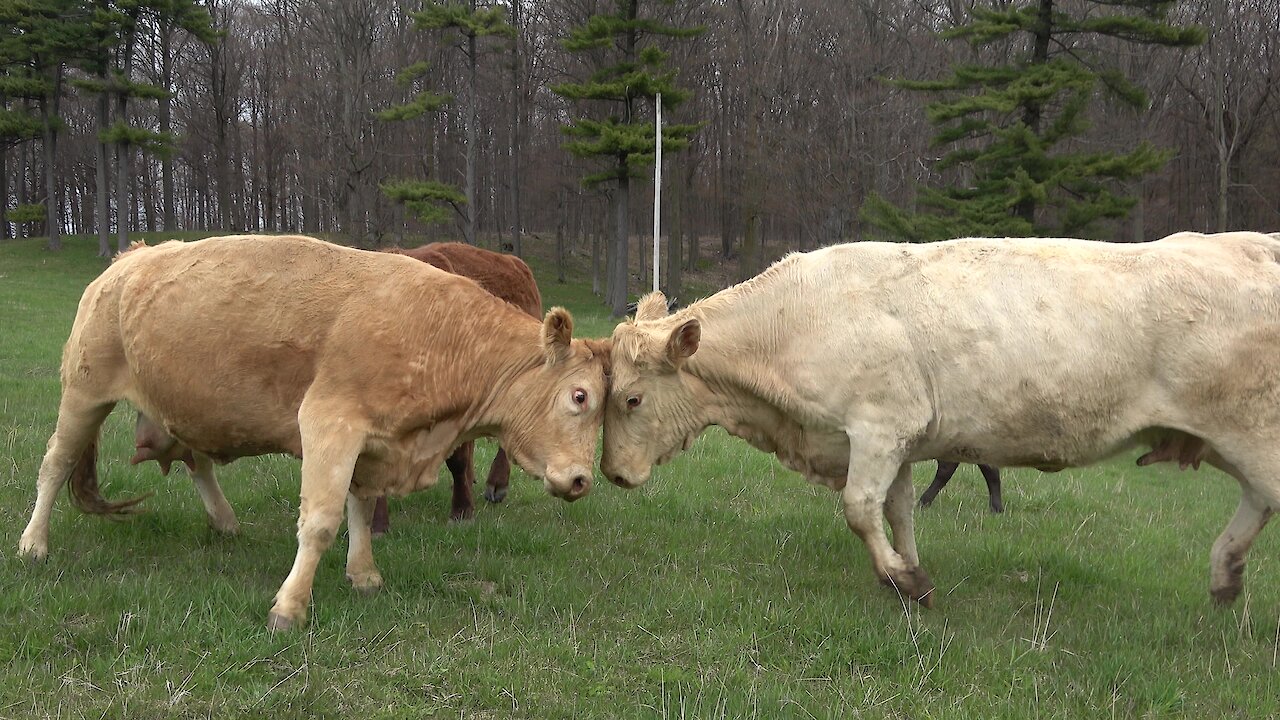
{"x":560,"y":408}
{"x":652,"y":413}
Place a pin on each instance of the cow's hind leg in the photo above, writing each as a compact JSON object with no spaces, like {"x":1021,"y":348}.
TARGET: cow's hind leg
{"x":72,"y":447}
{"x":991,"y":474}
{"x":361,"y":570}
{"x":495,"y":489}
{"x":871,"y":476}
{"x":459,"y":464}
{"x":1227,"y":559}
{"x":329,"y":454}
{"x":940,"y":480}
{"x":221,"y":517}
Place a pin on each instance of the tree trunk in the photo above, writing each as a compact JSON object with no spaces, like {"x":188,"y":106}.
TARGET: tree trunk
{"x":51,"y":205}
{"x":1224,"y":186}
{"x":4,"y":194}
{"x":752,"y":189}
{"x":1026,"y":208}
{"x":170,"y":222}
{"x":616,"y":291}
{"x":21,"y":189}
{"x":560,"y":222}
{"x":675,"y":232}
{"x":596,"y":235}
{"x":123,"y":151}
{"x":515,"y":130}
{"x":1139,"y":212}
{"x":101,"y":174}
{"x":472,"y":122}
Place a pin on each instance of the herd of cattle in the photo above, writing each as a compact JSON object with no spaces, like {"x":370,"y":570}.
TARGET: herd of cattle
{"x":850,"y":363}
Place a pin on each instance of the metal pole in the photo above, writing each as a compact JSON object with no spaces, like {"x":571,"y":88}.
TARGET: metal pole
{"x":657,"y":186}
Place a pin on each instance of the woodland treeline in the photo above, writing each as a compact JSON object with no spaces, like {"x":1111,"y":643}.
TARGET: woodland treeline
{"x":388,"y":121}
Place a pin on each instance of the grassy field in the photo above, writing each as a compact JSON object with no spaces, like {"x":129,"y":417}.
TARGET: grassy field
{"x":726,"y":587}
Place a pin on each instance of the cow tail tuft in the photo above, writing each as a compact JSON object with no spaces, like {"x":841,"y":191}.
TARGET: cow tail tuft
{"x":85,"y":493}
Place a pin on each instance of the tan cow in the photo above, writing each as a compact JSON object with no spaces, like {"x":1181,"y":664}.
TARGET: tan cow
{"x":854,"y":361}
{"x":247,"y":345}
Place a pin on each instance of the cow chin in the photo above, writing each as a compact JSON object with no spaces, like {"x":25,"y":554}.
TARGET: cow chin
{"x":568,"y":484}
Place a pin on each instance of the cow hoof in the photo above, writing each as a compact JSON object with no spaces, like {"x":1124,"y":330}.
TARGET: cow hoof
{"x":229,"y":529}
{"x":495,"y":495}
{"x":997,"y":509}
{"x":913,"y":583}
{"x":33,"y":552}
{"x":1224,"y":596}
{"x":280,"y":623}
{"x":462,"y":517}
{"x":367,"y":585}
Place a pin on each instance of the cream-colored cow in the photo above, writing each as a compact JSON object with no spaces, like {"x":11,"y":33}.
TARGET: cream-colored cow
{"x":854,"y":361}
{"x":371,"y":367}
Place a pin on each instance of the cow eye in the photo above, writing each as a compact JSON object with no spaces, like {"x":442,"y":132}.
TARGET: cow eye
{"x":580,"y":396}
{"x":633,"y":401}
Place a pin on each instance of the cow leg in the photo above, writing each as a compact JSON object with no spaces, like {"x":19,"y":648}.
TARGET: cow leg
{"x":328,"y":458}
{"x":361,"y":570}
{"x":381,"y":517}
{"x":992,"y":475}
{"x":495,"y":490}
{"x":221,"y":517}
{"x":940,"y":480}
{"x":1227,"y":558}
{"x":459,"y":464}
{"x":898,"y":511}
{"x":870,"y":478}
{"x":78,"y":423}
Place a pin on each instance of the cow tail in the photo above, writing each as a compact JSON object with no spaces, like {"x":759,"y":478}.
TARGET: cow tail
{"x":87,"y":496}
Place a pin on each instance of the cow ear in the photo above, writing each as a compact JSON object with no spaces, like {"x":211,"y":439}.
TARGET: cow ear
{"x":557,"y":333}
{"x":651,"y":307}
{"x":683,"y":341}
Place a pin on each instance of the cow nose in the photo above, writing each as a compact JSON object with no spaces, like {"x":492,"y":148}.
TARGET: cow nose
{"x":580,"y":486}
{"x":619,"y":481}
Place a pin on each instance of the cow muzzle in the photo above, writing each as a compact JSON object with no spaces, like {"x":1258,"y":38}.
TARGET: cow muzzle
{"x":627,"y":482}
{"x":569,"y":486}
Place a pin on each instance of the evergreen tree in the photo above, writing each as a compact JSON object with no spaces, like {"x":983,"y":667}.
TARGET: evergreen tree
{"x":632,"y":71}
{"x":472,"y":22}
{"x":37,"y":40}
{"x":429,"y":200}
{"x":1008,"y":124}
{"x":116,"y":31}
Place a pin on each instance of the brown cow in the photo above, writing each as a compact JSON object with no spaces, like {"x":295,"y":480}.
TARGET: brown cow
{"x":509,"y":278}
{"x":505,"y":276}
{"x":247,"y":345}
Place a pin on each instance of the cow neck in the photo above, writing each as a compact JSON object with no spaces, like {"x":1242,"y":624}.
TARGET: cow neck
{"x":507,"y":411}
{"x":732,"y":375}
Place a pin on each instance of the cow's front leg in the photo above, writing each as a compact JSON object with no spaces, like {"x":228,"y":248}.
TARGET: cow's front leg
{"x":329,"y":455}
{"x":871,"y":476}
{"x":361,"y":570}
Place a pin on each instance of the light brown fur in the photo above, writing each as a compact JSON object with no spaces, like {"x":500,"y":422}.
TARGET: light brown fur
{"x":246,"y":345}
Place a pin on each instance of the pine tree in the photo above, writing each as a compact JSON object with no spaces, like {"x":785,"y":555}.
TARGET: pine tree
{"x":115,"y":32}
{"x":1007,"y":125}
{"x":430,"y":201}
{"x":633,"y":74}
{"x":38,"y":38}
{"x":472,"y":22}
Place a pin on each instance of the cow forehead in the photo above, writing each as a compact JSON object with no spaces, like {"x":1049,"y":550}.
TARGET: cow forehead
{"x":636,"y":343}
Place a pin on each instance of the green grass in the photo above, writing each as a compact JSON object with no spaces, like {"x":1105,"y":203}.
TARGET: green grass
{"x":727,"y":587}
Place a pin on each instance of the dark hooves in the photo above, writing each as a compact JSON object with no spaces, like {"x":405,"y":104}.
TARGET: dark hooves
{"x":495,"y":495}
